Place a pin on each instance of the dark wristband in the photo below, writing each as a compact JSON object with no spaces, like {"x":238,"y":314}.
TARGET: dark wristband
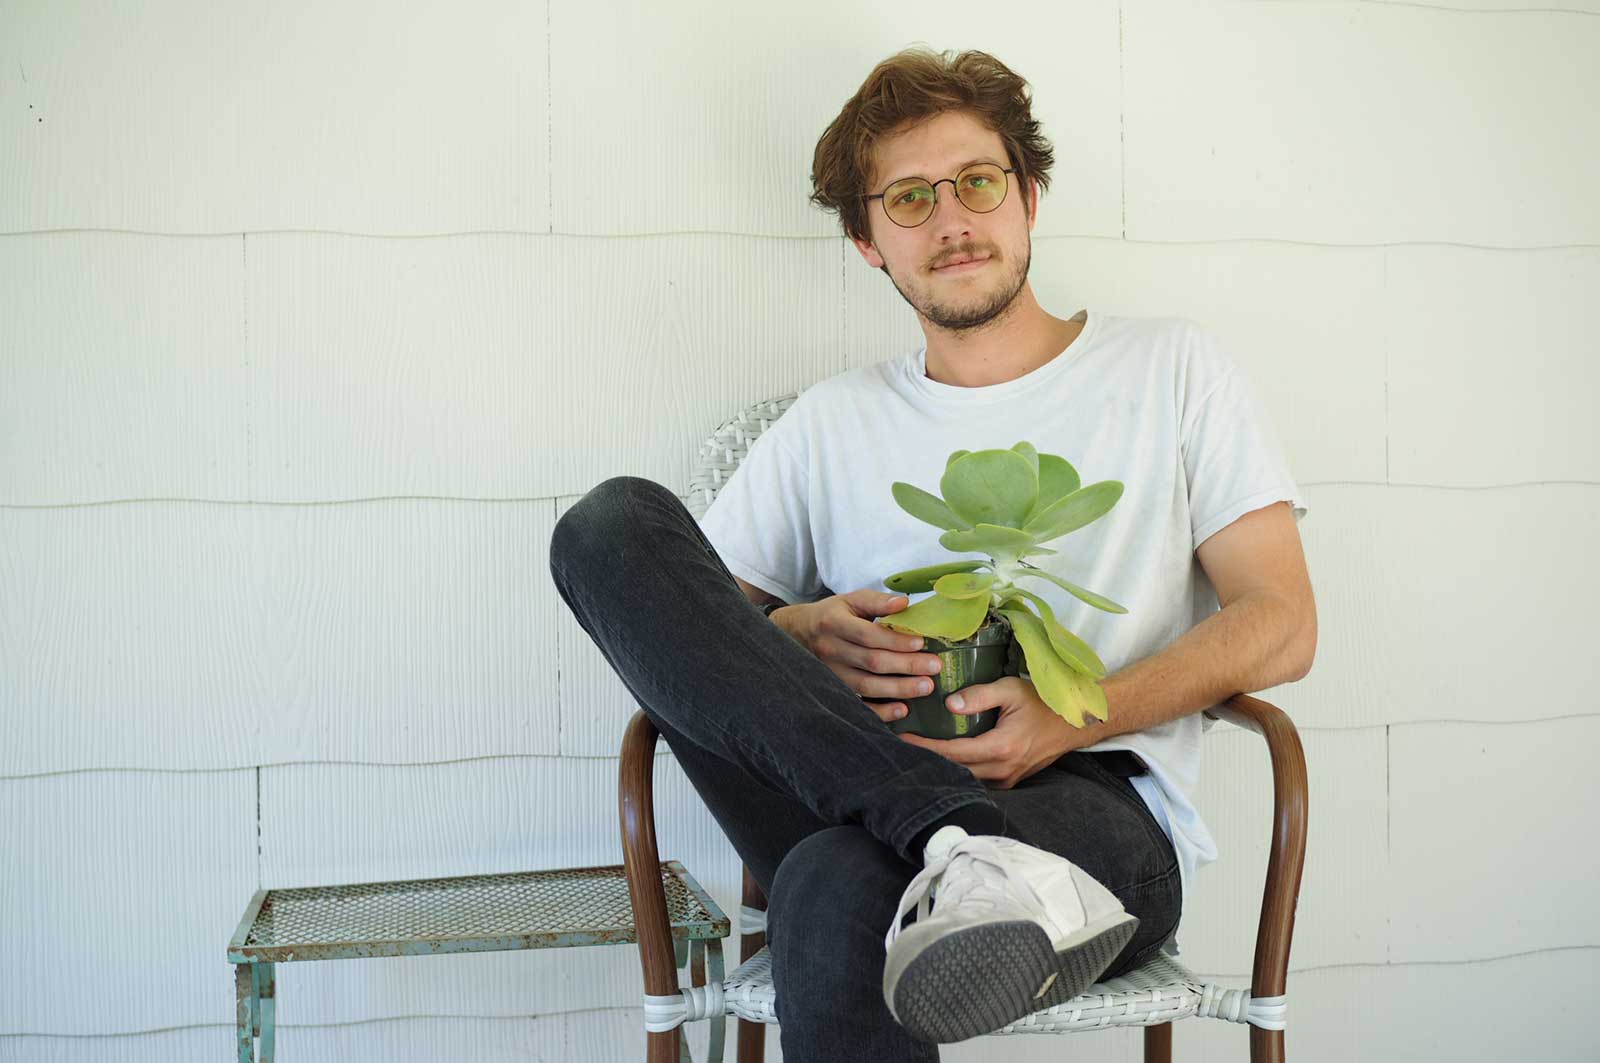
{"x":770,"y":607}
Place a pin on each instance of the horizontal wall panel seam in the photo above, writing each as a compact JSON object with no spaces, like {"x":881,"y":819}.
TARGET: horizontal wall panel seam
{"x":549,"y":498}
{"x":667,"y":753}
{"x":669,"y":233}
{"x":1204,"y":975}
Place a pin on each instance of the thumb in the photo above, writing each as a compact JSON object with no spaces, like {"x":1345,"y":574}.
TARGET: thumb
{"x":970,"y":699}
{"x":867,"y":602}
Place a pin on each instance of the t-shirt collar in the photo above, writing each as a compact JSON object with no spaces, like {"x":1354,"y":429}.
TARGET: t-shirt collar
{"x":914,"y":368}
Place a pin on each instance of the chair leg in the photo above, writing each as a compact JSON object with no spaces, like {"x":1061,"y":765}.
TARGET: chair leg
{"x":1266,"y":1046}
{"x":662,"y":1047}
{"x":1158,"y":1043}
{"x":752,"y":1041}
{"x":752,"y":1035}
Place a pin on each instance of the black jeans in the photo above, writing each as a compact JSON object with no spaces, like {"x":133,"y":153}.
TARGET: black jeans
{"x":817,"y":795}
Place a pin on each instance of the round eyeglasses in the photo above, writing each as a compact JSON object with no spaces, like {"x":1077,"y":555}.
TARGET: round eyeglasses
{"x":910,"y":201}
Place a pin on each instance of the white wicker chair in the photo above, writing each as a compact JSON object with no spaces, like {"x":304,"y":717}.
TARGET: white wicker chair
{"x":1154,"y":996}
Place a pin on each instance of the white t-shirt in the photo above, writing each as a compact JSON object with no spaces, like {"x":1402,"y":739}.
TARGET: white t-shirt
{"x":1156,"y":403}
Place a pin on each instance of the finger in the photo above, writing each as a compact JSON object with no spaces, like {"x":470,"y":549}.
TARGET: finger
{"x":984,"y":770}
{"x":974,"y":751}
{"x":884,"y":661}
{"x":873,"y":685}
{"x":906,"y":668}
{"x":871,"y":633}
{"x":949,"y":748}
{"x":887,"y":711}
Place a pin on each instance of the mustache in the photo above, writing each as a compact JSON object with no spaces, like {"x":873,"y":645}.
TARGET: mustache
{"x":962,"y":252}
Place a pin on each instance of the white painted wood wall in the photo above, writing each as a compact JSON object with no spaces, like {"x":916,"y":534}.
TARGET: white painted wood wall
{"x":314,"y":318}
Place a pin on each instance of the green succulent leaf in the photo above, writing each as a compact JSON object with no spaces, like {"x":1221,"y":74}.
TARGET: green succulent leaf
{"x":1083,"y":506}
{"x":926,"y":507}
{"x":964,"y":584}
{"x":943,"y":618}
{"x":1068,"y":646}
{"x":990,"y":487}
{"x":1068,"y":693}
{"x":951,"y":460}
{"x":1099,"y":601}
{"x":917,"y":580}
{"x":1036,"y":551}
{"x":1057,"y":480}
{"x":1027,"y":450}
{"x":991,"y":539}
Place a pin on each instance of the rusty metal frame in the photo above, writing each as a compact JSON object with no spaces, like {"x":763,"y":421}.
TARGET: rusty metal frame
{"x":697,"y":935}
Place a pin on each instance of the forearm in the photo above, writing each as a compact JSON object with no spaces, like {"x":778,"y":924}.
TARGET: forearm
{"x":1255,"y":642}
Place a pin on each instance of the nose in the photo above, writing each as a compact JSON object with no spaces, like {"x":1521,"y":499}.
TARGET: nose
{"x":951,"y":217}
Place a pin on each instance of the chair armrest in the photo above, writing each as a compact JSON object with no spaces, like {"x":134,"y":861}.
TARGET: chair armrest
{"x":1287,"y":856}
{"x":641,"y":860}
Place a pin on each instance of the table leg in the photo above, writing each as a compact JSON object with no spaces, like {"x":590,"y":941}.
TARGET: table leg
{"x":268,"y":1001}
{"x":243,"y":990}
{"x":255,"y":999}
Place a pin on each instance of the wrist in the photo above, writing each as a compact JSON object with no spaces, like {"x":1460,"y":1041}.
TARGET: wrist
{"x":784,"y":615}
{"x":774,"y":608}
{"x":1063,"y":737}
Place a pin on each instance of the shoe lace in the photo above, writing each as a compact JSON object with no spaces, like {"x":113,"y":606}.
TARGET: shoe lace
{"x":974,"y":870}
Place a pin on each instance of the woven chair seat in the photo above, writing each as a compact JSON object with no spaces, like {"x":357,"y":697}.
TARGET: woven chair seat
{"x":1163,"y":990}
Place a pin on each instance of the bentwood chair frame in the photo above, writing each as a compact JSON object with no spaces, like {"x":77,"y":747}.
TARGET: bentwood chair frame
{"x":1156,"y":995}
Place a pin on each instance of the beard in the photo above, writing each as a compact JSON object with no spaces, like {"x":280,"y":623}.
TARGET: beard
{"x":977,"y":309}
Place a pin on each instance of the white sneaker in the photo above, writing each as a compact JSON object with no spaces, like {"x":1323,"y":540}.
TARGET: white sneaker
{"x":1012,"y":930}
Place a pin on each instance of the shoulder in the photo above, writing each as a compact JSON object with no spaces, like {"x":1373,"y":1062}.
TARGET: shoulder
{"x":1163,"y":341}
{"x":840,"y":396}
{"x":1195,"y":357}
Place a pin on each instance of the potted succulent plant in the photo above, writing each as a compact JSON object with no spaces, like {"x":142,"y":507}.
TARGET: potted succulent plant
{"x":1004,"y":504}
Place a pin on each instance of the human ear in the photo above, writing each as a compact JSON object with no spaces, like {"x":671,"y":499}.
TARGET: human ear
{"x":868,"y":252}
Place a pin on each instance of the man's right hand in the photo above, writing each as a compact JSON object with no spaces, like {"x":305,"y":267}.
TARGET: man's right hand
{"x":873,"y":661}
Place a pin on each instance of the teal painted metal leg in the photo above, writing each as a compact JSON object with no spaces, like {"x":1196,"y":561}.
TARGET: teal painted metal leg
{"x":255,"y":999}
{"x":687,"y":954}
{"x":268,"y":1000}
{"x":243,"y":990}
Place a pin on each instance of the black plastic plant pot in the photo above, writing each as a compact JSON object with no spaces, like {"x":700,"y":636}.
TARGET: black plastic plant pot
{"x":980,"y":658}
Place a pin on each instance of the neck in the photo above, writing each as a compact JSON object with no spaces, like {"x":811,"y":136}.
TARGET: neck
{"x":1014,"y":344}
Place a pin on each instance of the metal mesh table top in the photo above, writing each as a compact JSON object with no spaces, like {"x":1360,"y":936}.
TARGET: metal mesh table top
{"x":472,"y":913}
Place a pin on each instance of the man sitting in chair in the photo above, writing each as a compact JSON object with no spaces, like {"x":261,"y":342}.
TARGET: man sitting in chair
{"x":1037,"y":857}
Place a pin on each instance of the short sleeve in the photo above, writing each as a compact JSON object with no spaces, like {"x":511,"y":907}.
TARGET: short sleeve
{"x":760,"y":524}
{"x":1232,"y":456}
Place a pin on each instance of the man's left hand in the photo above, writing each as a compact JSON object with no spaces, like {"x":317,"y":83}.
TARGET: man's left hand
{"x":1027,"y":737}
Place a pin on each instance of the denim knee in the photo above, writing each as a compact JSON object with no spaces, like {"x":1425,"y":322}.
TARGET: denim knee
{"x":832,"y":899}
{"x":597,"y":518}
{"x":828,"y":883}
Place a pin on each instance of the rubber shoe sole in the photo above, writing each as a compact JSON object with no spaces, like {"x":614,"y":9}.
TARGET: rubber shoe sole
{"x":974,"y":981}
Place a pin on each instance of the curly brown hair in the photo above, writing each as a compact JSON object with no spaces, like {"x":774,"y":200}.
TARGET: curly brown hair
{"x":908,"y":87}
